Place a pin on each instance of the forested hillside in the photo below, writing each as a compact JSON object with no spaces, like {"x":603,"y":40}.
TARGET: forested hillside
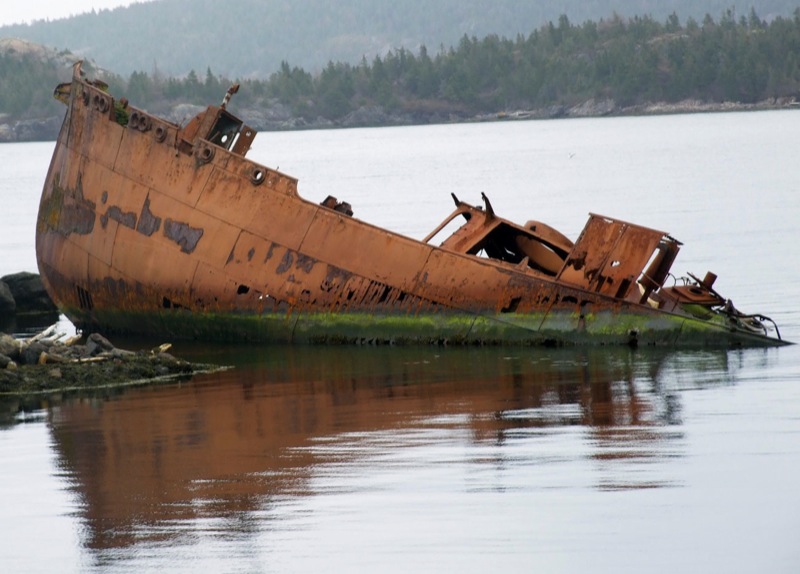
{"x":28,"y":74}
{"x":250,"y":38}
{"x":613,"y":65}
{"x":622,"y":62}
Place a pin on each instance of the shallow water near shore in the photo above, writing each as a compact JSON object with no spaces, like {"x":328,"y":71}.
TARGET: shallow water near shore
{"x":431,"y":459}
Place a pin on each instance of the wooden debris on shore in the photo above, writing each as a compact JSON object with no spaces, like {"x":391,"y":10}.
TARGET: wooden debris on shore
{"x":52,"y":360}
{"x":50,"y":346}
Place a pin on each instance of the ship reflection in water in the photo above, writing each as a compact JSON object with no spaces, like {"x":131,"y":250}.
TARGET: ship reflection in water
{"x":251,"y":453}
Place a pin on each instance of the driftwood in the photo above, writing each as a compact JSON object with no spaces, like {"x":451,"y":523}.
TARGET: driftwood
{"x":50,"y":346}
{"x":51,"y":361}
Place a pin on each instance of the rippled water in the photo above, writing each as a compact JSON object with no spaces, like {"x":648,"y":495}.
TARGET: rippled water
{"x":448,"y":459}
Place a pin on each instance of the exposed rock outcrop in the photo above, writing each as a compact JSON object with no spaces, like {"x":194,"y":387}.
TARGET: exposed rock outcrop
{"x":8,"y":306}
{"x":28,"y":293}
{"x":275,"y":116}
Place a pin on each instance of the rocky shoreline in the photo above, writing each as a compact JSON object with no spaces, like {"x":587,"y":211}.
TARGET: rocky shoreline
{"x":25,"y":305}
{"x":278,"y":117}
{"x":48,"y":363}
{"x":23,"y":293}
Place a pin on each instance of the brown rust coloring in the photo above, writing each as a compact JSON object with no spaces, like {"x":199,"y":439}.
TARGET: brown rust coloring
{"x":194,"y":239}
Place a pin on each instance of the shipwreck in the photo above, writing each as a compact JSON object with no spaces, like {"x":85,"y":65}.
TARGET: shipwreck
{"x":154,"y":228}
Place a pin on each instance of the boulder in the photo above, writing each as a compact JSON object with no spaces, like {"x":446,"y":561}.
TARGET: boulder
{"x":8,"y":306}
{"x":6,"y":133}
{"x":96,"y":344}
{"x":41,"y":129}
{"x":29,"y":293}
{"x":9,"y":346}
{"x":31,"y":353}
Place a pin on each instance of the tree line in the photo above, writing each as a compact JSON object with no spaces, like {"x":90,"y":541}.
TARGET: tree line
{"x":250,"y":38}
{"x":630,"y":61}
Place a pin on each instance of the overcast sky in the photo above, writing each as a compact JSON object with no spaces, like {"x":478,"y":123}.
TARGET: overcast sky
{"x":19,"y":11}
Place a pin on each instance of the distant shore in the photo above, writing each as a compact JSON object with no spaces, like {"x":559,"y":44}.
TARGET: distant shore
{"x":264,"y":120}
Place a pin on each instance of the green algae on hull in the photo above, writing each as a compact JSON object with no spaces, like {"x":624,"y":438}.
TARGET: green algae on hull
{"x":531,"y":329}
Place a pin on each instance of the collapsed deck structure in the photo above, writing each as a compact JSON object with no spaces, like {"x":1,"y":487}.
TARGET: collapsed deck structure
{"x":153,"y":228}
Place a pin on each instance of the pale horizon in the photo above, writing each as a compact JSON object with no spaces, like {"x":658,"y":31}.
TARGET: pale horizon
{"x":28,"y":11}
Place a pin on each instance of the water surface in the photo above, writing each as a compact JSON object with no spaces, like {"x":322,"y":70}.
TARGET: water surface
{"x":365,"y":459}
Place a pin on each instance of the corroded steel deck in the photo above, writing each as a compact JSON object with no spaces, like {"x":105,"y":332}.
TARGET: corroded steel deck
{"x":148,"y":227}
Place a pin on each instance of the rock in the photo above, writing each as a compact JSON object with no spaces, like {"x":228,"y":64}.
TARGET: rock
{"x":9,"y":346}
{"x":41,"y":129}
{"x":38,"y":129}
{"x":272,"y":115}
{"x":182,"y":113}
{"x":592,"y":109}
{"x":29,"y":293}
{"x":30,"y":353}
{"x":366,"y":116}
{"x":96,"y":344}
{"x":47,"y":364}
{"x":6,"y":133}
{"x":8,"y":306}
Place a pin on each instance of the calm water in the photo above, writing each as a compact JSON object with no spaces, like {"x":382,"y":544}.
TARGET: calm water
{"x":441,"y":459}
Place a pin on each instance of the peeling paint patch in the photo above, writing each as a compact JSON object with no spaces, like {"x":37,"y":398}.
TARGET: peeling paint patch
{"x":286,"y":263}
{"x":77,"y":218}
{"x":76,"y":214}
{"x":305,"y":262}
{"x":126,"y":218}
{"x":148,"y":222}
{"x":270,"y":251}
{"x":183,"y":234}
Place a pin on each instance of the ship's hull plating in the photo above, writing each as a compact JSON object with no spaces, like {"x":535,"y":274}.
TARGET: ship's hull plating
{"x":138,"y":233}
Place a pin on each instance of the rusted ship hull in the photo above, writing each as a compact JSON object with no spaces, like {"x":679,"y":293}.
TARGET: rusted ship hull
{"x":152,"y":228}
